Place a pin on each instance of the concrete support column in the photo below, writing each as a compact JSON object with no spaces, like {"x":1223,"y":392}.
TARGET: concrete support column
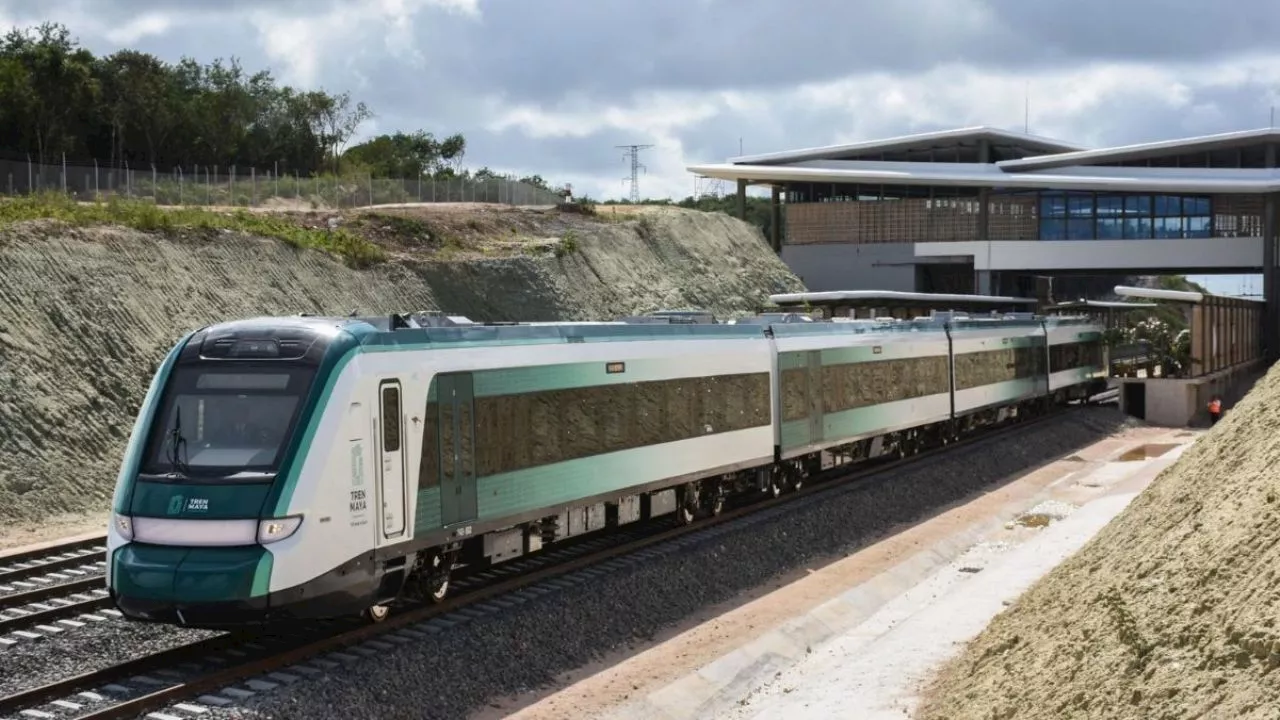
{"x":775,"y":220}
{"x":742,"y":199}
{"x":983,"y":282}
{"x":984,"y":214}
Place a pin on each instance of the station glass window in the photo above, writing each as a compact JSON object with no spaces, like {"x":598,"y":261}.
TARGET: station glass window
{"x":1115,"y":216}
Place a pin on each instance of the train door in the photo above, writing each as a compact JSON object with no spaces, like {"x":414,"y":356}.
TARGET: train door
{"x":391,"y":470}
{"x":457,"y":448}
{"x":816,"y":406}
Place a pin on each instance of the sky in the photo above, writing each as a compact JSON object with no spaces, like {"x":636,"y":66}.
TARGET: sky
{"x":552,"y":87}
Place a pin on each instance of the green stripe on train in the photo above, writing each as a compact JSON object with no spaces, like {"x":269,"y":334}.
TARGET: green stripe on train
{"x":512,"y":381}
{"x":137,"y":439}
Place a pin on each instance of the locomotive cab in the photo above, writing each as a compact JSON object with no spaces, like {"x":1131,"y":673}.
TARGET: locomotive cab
{"x":194,"y":518}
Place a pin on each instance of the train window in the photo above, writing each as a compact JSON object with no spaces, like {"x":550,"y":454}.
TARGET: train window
{"x":449,"y":468}
{"x":390,"y":418}
{"x":429,"y":468}
{"x":558,"y":425}
{"x":795,"y":393}
{"x":993,"y":366}
{"x":466,"y":454}
{"x":614,"y":426}
{"x":228,"y":421}
{"x":1068,"y":356}
{"x":853,"y":385}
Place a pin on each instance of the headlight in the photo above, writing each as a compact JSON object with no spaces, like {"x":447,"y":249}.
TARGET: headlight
{"x":276,"y":529}
{"x":123,"y":525}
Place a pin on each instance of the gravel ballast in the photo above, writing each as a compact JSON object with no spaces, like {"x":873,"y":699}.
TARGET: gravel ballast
{"x":447,"y":673}
{"x":99,"y":644}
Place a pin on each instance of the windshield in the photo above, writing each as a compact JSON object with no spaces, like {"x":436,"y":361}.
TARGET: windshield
{"x":224,"y":420}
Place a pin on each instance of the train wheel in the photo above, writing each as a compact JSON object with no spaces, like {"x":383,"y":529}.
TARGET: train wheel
{"x":438,"y":578}
{"x":377,"y":613}
{"x":690,"y":501}
{"x":685,"y":515}
{"x":712,"y":498}
{"x":791,"y":476}
{"x":776,"y":483}
{"x":439,"y":588}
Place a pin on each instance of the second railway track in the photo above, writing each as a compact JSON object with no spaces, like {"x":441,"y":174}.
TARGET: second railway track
{"x":190,"y":678}
{"x":52,"y":590}
{"x":25,"y":571}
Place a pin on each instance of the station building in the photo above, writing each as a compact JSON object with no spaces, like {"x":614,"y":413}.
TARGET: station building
{"x":987,"y":211}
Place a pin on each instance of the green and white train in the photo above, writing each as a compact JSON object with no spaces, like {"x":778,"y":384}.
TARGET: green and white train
{"x":306,"y":467}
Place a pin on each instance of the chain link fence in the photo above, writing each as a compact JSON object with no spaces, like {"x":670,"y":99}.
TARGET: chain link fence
{"x":237,"y":187}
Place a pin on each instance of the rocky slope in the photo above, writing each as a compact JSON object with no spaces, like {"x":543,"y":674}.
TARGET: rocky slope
{"x":86,"y":312}
{"x":1169,"y":612}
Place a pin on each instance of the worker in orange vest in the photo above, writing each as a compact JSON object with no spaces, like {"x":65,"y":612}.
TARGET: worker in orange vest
{"x":1215,"y":409}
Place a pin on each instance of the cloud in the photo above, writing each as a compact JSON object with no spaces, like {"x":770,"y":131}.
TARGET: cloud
{"x":145,"y":25}
{"x":1096,"y":104}
{"x":300,"y":43}
{"x":551,"y":87}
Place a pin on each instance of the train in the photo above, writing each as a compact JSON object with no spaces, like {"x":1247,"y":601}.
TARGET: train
{"x":303,"y":467}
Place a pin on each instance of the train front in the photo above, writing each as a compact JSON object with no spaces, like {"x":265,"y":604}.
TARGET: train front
{"x":194,"y":514}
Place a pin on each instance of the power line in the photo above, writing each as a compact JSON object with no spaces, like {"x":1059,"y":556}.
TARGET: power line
{"x":633,"y":153}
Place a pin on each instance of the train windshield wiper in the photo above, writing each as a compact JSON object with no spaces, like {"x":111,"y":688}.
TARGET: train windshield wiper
{"x":178,"y":445}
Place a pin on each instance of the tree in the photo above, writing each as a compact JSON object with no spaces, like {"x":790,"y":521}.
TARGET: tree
{"x":139,"y":90}
{"x":338,"y":121}
{"x":61,"y":81}
{"x":536,"y":181}
{"x":18,"y":96}
{"x":134,"y":108}
{"x":404,"y":155}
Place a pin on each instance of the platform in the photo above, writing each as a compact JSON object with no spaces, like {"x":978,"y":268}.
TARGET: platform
{"x":864,"y":652}
{"x":1183,"y":402}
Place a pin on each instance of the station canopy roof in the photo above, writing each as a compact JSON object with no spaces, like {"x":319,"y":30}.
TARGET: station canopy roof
{"x":1101,"y":305}
{"x":897,"y":299}
{"x":1232,"y":162}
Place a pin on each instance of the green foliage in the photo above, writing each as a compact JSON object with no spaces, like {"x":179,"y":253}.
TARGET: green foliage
{"x":132,"y":108}
{"x":567,"y":245}
{"x":148,"y":217}
{"x":402,"y":155}
{"x":1171,"y":315}
{"x":1171,"y":344}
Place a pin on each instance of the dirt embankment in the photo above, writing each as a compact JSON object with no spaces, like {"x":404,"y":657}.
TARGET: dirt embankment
{"x":86,"y":313}
{"x":1172,"y":611}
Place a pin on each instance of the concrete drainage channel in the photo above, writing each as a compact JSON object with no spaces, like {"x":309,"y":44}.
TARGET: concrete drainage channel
{"x":188,"y":686}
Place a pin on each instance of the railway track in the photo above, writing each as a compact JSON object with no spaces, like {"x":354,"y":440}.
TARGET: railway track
{"x":47,"y":611}
{"x":185,"y":681}
{"x":28,"y":570}
{"x":52,"y":590}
